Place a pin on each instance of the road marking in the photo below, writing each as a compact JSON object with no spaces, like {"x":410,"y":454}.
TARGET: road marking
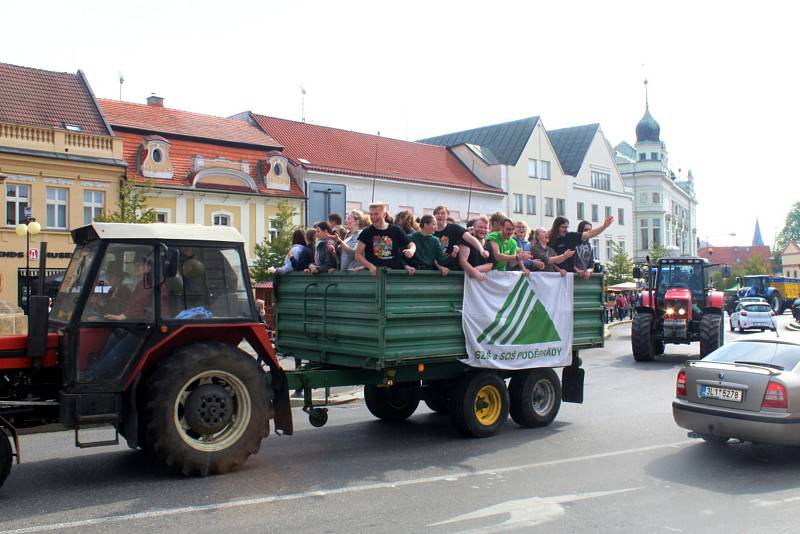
{"x":526,"y":512}
{"x":154,"y":514}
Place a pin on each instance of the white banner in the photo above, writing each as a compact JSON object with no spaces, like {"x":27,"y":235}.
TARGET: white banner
{"x":515,"y":322}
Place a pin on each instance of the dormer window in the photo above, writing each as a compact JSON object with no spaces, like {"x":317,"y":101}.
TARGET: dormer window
{"x":72,"y":127}
{"x":278,"y":168}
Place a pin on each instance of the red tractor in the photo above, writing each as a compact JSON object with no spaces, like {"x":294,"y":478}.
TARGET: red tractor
{"x":678,"y":306}
{"x":144,"y":337}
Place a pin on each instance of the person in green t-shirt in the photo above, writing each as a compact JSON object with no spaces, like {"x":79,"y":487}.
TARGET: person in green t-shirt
{"x":504,"y":247}
{"x":429,"y":254}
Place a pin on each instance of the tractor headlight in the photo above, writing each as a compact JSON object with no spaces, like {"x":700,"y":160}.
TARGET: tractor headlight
{"x":670,"y":311}
{"x":681,"y":312}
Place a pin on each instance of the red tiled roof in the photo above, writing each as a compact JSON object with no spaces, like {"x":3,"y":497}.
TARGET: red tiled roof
{"x":184,"y":123}
{"x":734,"y":256}
{"x":181,"y":152}
{"x":345,"y":152}
{"x":45,"y":98}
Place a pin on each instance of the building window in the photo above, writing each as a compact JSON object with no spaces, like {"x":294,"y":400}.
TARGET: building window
{"x":601,"y":180}
{"x":517,"y":203}
{"x":409,"y":209}
{"x":472,"y":215}
{"x":456,"y":215}
{"x":163,"y":215}
{"x":272,"y":231}
{"x":621,"y":244}
{"x":548,"y":206}
{"x":621,"y":216}
{"x":595,"y":213}
{"x":656,"y":198}
{"x":532,"y":168}
{"x":596,"y":248}
{"x":93,"y":205}
{"x":642,"y":156}
{"x":609,"y":249}
{"x":531,"y":199}
{"x":609,"y":211}
{"x":221,"y":219}
{"x":561,"y":207}
{"x":580,"y":210}
{"x":645,"y":234}
{"x":18,"y":198}
{"x":544,"y":169}
{"x":642,"y":198}
{"x":56,"y":208}
{"x":654,"y":156}
{"x":656,"y":232}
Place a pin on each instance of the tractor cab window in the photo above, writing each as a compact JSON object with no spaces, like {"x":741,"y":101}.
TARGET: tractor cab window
{"x":756,"y":282}
{"x":681,"y":276}
{"x":123,"y":287}
{"x":208,"y":283}
{"x":74,"y":279}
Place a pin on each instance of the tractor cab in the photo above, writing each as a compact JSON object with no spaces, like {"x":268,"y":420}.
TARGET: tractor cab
{"x":126,"y":290}
{"x":680,"y":287}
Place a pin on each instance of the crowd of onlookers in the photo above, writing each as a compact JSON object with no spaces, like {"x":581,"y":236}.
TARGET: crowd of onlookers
{"x":620,"y":306}
{"x":436,"y":242}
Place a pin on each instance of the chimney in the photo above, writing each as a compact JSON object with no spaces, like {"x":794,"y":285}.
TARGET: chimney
{"x":157,"y":101}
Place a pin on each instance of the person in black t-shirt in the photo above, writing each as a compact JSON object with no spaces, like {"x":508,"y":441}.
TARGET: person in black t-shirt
{"x":470,"y":259}
{"x":450,"y":235}
{"x":561,"y":239}
{"x":383,"y":244}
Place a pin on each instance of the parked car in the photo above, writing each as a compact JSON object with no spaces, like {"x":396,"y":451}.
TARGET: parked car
{"x":748,"y":390}
{"x":753,"y":315}
{"x":796,"y":310}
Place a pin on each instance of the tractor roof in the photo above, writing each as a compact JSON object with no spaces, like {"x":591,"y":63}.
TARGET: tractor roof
{"x":686,"y":260}
{"x":157,"y":231}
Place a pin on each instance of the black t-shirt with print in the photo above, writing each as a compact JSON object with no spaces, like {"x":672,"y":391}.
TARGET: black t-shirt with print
{"x":475,"y":258}
{"x":450,"y":236}
{"x":584,"y":257}
{"x":568,"y":242}
{"x":383,"y":248}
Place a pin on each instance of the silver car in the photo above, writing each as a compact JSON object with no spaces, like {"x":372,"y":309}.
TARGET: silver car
{"x":749,"y":315}
{"x":748,"y":390}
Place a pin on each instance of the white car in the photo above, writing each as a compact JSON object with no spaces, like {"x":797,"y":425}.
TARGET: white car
{"x":753,"y":315}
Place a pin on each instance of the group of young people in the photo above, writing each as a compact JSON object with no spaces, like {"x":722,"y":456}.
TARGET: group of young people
{"x":436,"y":242}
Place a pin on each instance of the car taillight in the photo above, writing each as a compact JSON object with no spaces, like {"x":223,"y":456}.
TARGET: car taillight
{"x":743,"y":313}
{"x":680,"y":386}
{"x":775,"y":396}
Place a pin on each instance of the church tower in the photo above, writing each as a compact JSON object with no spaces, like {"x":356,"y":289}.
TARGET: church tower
{"x":757,"y":240}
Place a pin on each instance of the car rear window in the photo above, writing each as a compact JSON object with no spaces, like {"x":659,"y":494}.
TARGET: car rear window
{"x":758,"y":308}
{"x":785,"y":355}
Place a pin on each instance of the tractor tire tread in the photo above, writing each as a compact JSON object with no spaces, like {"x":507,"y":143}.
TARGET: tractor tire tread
{"x":641,"y":337}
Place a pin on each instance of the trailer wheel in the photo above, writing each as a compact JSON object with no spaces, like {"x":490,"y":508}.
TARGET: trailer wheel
{"x":535,"y":397}
{"x":438,"y":405}
{"x":6,"y":456}
{"x":479,"y":405}
{"x":206,"y":409}
{"x":711,"y":333}
{"x":642,"y":337}
{"x":394,"y":403}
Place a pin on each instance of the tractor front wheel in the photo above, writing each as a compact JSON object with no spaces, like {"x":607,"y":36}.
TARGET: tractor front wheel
{"x":711,"y":333}
{"x":6,"y":456}
{"x":642,"y":337}
{"x":775,"y":303}
{"x":206,"y":409}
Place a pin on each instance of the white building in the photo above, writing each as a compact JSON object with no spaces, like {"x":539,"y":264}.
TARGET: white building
{"x":519,"y":157}
{"x":665,"y":208}
{"x":344,"y":170}
{"x":597,"y":186}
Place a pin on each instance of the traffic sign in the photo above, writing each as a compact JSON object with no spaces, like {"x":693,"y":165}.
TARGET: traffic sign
{"x":33,"y":254}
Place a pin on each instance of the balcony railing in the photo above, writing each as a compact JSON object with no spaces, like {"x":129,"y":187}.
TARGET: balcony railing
{"x":60,"y":141}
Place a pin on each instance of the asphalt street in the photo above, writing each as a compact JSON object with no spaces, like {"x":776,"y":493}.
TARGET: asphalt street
{"x":616,"y":463}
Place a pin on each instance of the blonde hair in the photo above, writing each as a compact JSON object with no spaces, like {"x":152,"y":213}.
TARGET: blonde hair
{"x":376,"y":205}
{"x":523,"y":223}
{"x":360,"y":217}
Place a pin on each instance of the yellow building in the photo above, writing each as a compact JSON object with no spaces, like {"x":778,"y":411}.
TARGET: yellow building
{"x":59,"y":164}
{"x":206,"y":170}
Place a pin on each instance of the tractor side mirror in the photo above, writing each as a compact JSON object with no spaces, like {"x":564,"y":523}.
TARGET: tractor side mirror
{"x":725,"y":270}
{"x":598,"y":267}
{"x":637,"y":272}
{"x":169,"y":259}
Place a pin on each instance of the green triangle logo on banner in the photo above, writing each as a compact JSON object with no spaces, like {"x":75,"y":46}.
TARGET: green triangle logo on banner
{"x":522,"y":319}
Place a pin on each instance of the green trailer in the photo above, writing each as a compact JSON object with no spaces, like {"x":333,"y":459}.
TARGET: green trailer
{"x":401,"y":337}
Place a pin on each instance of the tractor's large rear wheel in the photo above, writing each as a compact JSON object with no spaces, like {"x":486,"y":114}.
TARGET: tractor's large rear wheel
{"x":206,"y":409}
{"x":6,"y":456}
{"x":775,"y":303}
{"x":642,"y":341}
{"x":712,"y":333}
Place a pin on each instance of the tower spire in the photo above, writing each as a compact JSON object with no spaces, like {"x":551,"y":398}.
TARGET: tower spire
{"x":758,"y":241}
{"x":646,"y":100}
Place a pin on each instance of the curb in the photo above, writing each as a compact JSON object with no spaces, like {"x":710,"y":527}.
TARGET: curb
{"x":793,"y":326}
{"x":608,"y":327}
{"x":333,"y":400}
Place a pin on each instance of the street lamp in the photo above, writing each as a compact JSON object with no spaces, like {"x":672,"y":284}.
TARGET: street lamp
{"x":28,"y":228}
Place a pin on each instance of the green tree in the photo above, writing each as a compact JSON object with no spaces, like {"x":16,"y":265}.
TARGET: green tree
{"x":777,"y":261}
{"x":791,"y":229}
{"x":272,"y":252}
{"x":131,"y":205}
{"x":619,"y":269}
{"x":657,"y":252}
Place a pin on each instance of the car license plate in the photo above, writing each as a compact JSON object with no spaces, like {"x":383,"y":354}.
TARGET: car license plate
{"x":728,"y":394}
